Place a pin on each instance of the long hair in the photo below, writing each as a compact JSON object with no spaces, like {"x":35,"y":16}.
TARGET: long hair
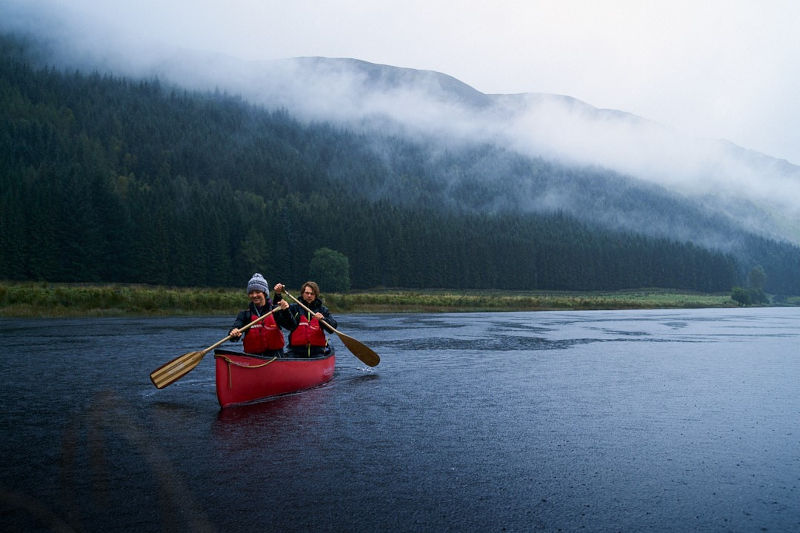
{"x":313,"y":286}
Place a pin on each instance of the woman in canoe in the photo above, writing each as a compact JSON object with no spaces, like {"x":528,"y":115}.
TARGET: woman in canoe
{"x":264,"y":338}
{"x":307,"y":338}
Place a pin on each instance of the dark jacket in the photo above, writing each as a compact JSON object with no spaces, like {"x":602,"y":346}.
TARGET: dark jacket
{"x":296,"y":311}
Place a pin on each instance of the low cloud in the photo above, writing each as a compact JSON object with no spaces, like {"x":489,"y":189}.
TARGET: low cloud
{"x":437,"y":106}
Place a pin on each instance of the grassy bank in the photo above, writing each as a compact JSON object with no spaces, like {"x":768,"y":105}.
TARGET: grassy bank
{"x":57,"y":299}
{"x":63,"y":300}
{"x":444,"y":301}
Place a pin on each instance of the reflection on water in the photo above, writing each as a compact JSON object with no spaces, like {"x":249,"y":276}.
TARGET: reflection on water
{"x":645,"y":420}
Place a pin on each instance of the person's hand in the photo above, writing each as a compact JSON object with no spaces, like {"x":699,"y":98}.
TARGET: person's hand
{"x":283,"y":304}
{"x":278,"y":288}
{"x":319,"y":316}
{"x":235,"y":333}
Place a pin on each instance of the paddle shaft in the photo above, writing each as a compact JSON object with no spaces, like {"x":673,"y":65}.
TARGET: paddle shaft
{"x":242,"y":329}
{"x":304,"y":306}
{"x":359,"y":349}
{"x":173,"y":370}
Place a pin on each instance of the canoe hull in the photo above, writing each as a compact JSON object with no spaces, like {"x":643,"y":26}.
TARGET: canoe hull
{"x":243,"y":378}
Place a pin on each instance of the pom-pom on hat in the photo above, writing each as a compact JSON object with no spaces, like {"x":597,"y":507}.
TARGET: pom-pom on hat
{"x":257,"y":283}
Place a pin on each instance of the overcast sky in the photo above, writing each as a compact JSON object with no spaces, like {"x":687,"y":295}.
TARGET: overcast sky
{"x":718,"y":69}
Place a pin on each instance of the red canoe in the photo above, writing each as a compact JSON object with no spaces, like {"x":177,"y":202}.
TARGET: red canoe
{"x":243,"y":378}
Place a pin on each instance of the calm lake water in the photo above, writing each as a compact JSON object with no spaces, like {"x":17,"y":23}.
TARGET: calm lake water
{"x":676,"y":420}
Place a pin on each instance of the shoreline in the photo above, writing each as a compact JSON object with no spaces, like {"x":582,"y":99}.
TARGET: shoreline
{"x":66,"y":300}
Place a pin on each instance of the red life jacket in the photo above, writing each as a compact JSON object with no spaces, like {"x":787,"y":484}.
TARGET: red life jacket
{"x":264,"y":336}
{"x":308,"y":333}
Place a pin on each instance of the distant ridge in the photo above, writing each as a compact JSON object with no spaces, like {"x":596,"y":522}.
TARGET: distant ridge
{"x":751,"y":190}
{"x":379,"y":77}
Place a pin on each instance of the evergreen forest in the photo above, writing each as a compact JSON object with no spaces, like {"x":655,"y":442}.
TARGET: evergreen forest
{"x":108,"y":179}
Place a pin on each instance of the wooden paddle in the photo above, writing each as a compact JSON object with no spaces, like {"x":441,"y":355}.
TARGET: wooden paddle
{"x":172,"y":371}
{"x":367,"y":356}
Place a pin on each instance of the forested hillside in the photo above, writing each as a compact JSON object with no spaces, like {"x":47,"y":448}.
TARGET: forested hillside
{"x":110,"y":179}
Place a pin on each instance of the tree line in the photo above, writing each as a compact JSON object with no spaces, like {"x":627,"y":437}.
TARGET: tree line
{"x":105,"y":179}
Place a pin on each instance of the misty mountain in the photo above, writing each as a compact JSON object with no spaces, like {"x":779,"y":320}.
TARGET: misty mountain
{"x":644,"y":176}
{"x":537,"y":169}
{"x":747,"y":190}
{"x":740,"y":188}
{"x":418,"y":183}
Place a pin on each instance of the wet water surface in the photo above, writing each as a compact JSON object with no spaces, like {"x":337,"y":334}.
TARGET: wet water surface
{"x":608,"y":421}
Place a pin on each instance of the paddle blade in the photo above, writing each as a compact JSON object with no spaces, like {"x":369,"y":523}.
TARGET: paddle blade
{"x":177,"y":368}
{"x":367,"y":356}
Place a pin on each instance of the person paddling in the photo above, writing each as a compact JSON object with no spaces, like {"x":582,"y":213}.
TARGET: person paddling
{"x":264,"y":338}
{"x":307,"y":338}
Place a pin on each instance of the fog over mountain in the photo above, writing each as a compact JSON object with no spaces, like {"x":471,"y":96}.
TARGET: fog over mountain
{"x":753,"y":190}
{"x":707,"y":177}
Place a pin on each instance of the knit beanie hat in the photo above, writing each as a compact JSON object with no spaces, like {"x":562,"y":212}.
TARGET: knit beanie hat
{"x":257,"y":283}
